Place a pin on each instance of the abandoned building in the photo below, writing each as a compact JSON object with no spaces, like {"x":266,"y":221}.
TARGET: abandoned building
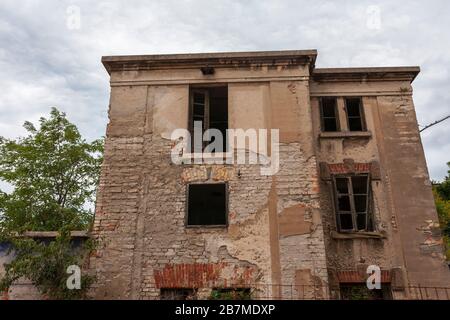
{"x":352,"y":188}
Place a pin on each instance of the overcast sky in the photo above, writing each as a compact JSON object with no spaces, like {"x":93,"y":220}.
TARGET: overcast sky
{"x":51,"y":57}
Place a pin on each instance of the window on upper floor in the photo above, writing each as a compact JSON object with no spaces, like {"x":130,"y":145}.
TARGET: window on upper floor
{"x":352,"y":203}
{"x":355,"y":114}
{"x":207,"y":204}
{"x":328,"y":114}
{"x":208,"y":110}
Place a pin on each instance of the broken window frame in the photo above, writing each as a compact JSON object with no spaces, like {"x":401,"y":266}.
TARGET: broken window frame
{"x":186,"y":219}
{"x":206,"y":123}
{"x":323,"y":118}
{"x":369,"y":223}
{"x":361,"y":116}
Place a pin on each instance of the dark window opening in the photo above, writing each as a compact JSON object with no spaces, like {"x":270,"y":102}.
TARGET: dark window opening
{"x":231,"y":294}
{"x":352,"y":203}
{"x":209,"y":109}
{"x":178,"y":294}
{"x":359,"y":291}
{"x":328,"y":114}
{"x":207,"y":205}
{"x":355,"y":117}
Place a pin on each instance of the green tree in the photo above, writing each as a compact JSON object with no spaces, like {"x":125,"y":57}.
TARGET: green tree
{"x":54,"y":173}
{"x":441,"y":192}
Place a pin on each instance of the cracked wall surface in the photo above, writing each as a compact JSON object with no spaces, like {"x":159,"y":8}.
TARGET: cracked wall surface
{"x":274,"y":227}
{"x":281,"y":237}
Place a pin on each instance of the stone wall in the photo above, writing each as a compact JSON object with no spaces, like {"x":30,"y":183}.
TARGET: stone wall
{"x":274,"y":237}
{"x":281,"y":236}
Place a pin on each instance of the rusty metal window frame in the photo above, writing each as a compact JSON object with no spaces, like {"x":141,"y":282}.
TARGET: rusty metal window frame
{"x":186,"y":218}
{"x":361,"y":116}
{"x":369,"y":225}
{"x":322,"y":116}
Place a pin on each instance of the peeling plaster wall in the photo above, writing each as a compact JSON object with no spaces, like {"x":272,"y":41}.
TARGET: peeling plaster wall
{"x":279,"y":237}
{"x":403,"y":206}
{"x":140,"y":214}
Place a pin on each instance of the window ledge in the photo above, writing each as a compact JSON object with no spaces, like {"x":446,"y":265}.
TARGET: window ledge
{"x":358,"y":235}
{"x":345,"y":134}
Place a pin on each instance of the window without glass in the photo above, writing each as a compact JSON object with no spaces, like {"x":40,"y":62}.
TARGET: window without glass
{"x":355,"y":116}
{"x":209,"y":110}
{"x":352,"y":203}
{"x":207,"y":205}
{"x":177,"y":294}
{"x":328,"y":114}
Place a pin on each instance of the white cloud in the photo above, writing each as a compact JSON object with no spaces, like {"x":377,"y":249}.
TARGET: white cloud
{"x":44,"y":63}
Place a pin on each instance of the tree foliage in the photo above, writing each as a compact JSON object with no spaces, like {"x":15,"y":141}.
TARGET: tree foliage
{"x":54,"y":173}
{"x":441,"y":194}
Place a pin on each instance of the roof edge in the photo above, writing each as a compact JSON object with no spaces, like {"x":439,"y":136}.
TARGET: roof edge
{"x":370,"y":73}
{"x":133,"y":62}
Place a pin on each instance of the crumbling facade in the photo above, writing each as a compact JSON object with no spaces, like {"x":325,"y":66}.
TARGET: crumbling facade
{"x":351,"y":189}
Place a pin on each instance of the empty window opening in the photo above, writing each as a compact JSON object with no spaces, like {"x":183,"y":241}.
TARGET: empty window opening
{"x":359,"y":291}
{"x":352,"y":203}
{"x":209,"y":110}
{"x":328,"y":113}
{"x":207,"y":205}
{"x":178,"y":294}
{"x":355,"y":118}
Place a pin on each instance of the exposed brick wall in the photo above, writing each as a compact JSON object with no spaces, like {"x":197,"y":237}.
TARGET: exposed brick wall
{"x":145,"y":245}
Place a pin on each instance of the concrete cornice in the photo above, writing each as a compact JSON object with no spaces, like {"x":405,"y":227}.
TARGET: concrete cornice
{"x":219,"y":59}
{"x":366,"y":74}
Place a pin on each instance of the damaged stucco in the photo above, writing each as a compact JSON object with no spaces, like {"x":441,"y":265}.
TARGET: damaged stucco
{"x":279,"y":237}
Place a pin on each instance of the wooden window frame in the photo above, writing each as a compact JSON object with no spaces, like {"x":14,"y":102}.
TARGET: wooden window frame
{"x":369,"y":223}
{"x":336,"y":114}
{"x":205,"y":124}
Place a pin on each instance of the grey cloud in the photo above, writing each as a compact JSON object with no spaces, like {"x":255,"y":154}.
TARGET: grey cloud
{"x":44,"y":64}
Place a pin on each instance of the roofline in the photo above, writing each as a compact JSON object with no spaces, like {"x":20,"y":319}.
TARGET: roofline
{"x":407,"y":73}
{"x":222,"y":59}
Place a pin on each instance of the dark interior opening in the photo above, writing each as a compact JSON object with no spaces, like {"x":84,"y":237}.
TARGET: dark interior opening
{"x":329,"y":114}
{"x":354,"y":114}
{"x":207,"y":204}
{"x":352,"y":200}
